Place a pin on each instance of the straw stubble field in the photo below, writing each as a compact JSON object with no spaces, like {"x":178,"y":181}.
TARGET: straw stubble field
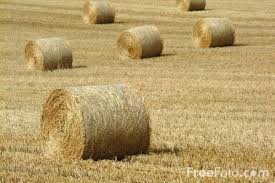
{"x":209,"y":107}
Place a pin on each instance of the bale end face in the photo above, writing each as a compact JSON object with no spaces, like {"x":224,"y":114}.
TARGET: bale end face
{"x":33,"y":56}
{"x":61,"y":126}
{"x":128,"y":46}
{"x":202,"y":35}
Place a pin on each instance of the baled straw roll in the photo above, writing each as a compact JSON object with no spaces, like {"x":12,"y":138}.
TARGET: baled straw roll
{"x":213,"y":32}
{"x":95,"y":122}
{"x":48,"y":54}
{"x":190,"y":5}
{"x":140,"y":42}
{"x":98,"y":12}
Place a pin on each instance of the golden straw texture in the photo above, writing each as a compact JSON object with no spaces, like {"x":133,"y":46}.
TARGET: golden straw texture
{"x":213,"y":32}
{"x":140,"y":42}
{"x":98,"y":12}
{"x":190,"y":5}
{"x":48,"y":54}
{"x":95,"y":122}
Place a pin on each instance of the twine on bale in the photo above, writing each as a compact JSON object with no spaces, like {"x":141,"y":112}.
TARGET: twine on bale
{"x":190,"y":5}
{"x":95,"y":122}
{"x":140,"y":42}
{"x":98,"y":12}
{"x":213,"y":32}
{"x":48,"y":54}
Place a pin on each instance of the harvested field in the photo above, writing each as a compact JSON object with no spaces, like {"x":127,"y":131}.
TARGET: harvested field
{"x":208,"y":107}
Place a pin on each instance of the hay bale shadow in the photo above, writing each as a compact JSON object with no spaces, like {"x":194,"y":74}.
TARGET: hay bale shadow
{"x":174,"y":150}
{"x":168,"y":54}
{"x":120,"y":22}
{"x":79,"y":66}
{"x":240,"y":44}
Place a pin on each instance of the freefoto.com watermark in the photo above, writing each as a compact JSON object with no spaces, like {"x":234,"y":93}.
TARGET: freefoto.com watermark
{"x":219,"y":172}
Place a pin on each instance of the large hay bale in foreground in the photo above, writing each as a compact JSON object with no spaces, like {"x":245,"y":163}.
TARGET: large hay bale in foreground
{"x":95,"y":122}
{"x":98,"y":12}
{"x":190,"y":5}
{"x":213,"y":32}
{"x":140,"y":42}
{"x":48,"y":54}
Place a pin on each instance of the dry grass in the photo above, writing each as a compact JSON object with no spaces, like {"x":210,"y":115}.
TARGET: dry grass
{"x":209,"y":107}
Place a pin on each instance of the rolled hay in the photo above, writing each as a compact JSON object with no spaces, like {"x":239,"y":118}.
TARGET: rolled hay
{"x":140,"y":42}
{"x":48,"y":54}
{"x":213,"y":32}
{"x":98,"y":12}
{"x":190,"y":5}
{"x":95,"y":122}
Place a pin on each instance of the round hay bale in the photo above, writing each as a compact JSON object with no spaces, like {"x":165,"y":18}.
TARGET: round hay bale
{"x":213,"y":32}
{"x":98,"y":12}
{"x":95,"y":122}
{"x":140,"y":42}
{"x":190,"y":5}
{"x":48,"y":54}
